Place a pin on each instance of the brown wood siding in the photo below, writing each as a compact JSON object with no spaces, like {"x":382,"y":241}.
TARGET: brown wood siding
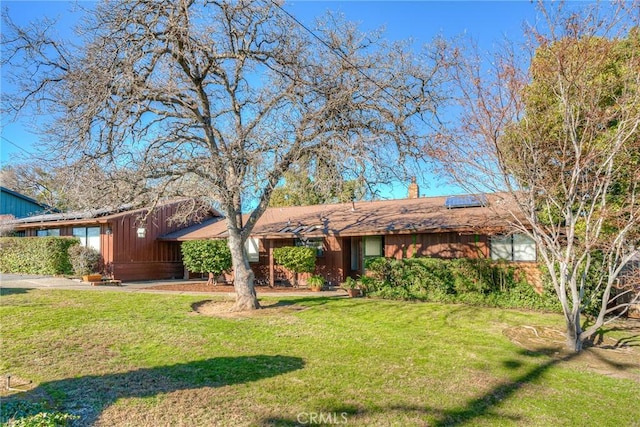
{"x":147,"y":270}
{"x":437,"y":245}
{"x":145,"y":258}
{"x":331,"y":264}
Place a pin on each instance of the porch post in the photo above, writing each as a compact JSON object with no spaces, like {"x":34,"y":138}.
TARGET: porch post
{"x":272,"y":281}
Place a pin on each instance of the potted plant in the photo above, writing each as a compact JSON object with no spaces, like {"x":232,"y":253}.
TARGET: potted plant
{"x":315,"y":283}
{"x":351,"y":286}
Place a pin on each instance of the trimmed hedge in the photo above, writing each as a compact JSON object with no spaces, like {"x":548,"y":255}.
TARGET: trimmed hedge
{"x":206,"y":256}
{"x":36,"y":255}
{"x":298,"y":259}
{"x":470,"y":281}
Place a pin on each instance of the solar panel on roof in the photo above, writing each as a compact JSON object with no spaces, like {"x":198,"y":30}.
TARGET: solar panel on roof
{"x":466,"y":201}
{"x":298,"y":229}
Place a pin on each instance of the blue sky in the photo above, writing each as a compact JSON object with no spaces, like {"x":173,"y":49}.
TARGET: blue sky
{"x":488,"y":22}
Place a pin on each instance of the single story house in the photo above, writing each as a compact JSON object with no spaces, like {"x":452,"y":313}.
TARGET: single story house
{"x":346,"y":234}
{"x":125,"y":237}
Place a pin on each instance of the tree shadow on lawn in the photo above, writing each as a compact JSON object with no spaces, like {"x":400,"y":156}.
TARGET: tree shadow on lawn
{"x":13,"y":291}
{"x":480,"y":407}
{"x":88,"y":396}
{"x":483,"y":405}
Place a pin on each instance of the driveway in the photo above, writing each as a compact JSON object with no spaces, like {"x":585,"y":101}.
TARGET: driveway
{"x":26,"y":281}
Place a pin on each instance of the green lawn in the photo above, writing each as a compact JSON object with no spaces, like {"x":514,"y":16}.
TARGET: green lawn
{"x":147,"y":360}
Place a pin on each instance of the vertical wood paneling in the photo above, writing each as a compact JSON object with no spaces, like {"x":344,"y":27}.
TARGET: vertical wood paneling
{"x":138,"y":258}
{"x":437,"y":245}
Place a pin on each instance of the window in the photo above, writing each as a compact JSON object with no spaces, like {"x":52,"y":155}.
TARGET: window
{"x":317,"y":243}
{"x":516,"y":247}
{"x":89,"y":236}
{"x":355,"y":256}
{"x":48,"y":232}
{"x":373,"y":246}
{"x":252,"y":247}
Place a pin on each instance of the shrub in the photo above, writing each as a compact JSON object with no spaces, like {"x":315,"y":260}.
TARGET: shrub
{"x":298,"y":259}
{"x":84,"y":260}
{"x":23,"y":413}
{"x":36,"y":255}
{"x":469,"y":281}
{"x":206,"y":256}
{"x":349,"y":283}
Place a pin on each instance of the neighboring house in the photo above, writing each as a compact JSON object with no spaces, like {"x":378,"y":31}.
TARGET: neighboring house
{"x":345,"y":235}
{"x":16,"y":205}
{"x":127,"y":242}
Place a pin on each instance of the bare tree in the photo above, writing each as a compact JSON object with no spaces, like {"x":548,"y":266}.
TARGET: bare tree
{"x":556,"y":126}
{"x":217,"y":99}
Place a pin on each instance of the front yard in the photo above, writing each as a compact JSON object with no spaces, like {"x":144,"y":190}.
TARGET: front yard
{"x":147,"y":360}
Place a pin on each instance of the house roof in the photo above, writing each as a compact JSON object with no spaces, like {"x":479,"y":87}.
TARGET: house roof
{"x":75,"y":217}
{"x":404,"y":216}
{"x":102,"y":215}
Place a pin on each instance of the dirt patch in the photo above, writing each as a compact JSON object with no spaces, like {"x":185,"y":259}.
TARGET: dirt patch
{"x":203,"y":287}
{"x":225,"y":309}
{"x":618,"y":358}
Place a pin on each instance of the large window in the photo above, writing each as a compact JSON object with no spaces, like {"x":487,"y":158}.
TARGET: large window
{"x":89,"y":236}
{"x":252,"y":246}
{"x":515,"y":247}
{"x":373,"y":246}
{"x":316,"y":243}
{"x":55,"y":232}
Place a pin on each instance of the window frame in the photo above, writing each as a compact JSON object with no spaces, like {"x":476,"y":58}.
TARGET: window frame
{"x":86,"y":239}
{"x":46,"y":232}
{"x":252,"y":249}
{"x":316,"y":243}
{"x":377,"y":240}
{"x":516,"y":247}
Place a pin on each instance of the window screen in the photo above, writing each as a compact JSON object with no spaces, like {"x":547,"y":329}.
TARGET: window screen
{"x":373,"y":246}
{"x":516,"y":247}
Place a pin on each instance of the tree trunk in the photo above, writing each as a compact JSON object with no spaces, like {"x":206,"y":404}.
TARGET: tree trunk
{"x":246,"y":298}
{"x":574,"y":342}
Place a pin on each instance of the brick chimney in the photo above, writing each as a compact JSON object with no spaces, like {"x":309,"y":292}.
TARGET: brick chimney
{"x":414,"y":190}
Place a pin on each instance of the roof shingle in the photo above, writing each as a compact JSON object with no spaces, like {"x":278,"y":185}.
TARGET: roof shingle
{"x":403,"y":216}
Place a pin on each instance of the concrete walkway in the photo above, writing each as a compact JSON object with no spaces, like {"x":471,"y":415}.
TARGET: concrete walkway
{"x":21,"y":281}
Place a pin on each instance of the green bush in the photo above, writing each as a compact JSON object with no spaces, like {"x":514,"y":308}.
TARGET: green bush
{"x":36,"y":255}
{"x":84,"y":260}
{"x":207,"y":256}
{"x":469,"y":281}
{"x":298,"y":259}
{"x":33,"y":414}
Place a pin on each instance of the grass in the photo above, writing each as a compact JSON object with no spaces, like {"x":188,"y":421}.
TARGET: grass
{"x":146,"y":360}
